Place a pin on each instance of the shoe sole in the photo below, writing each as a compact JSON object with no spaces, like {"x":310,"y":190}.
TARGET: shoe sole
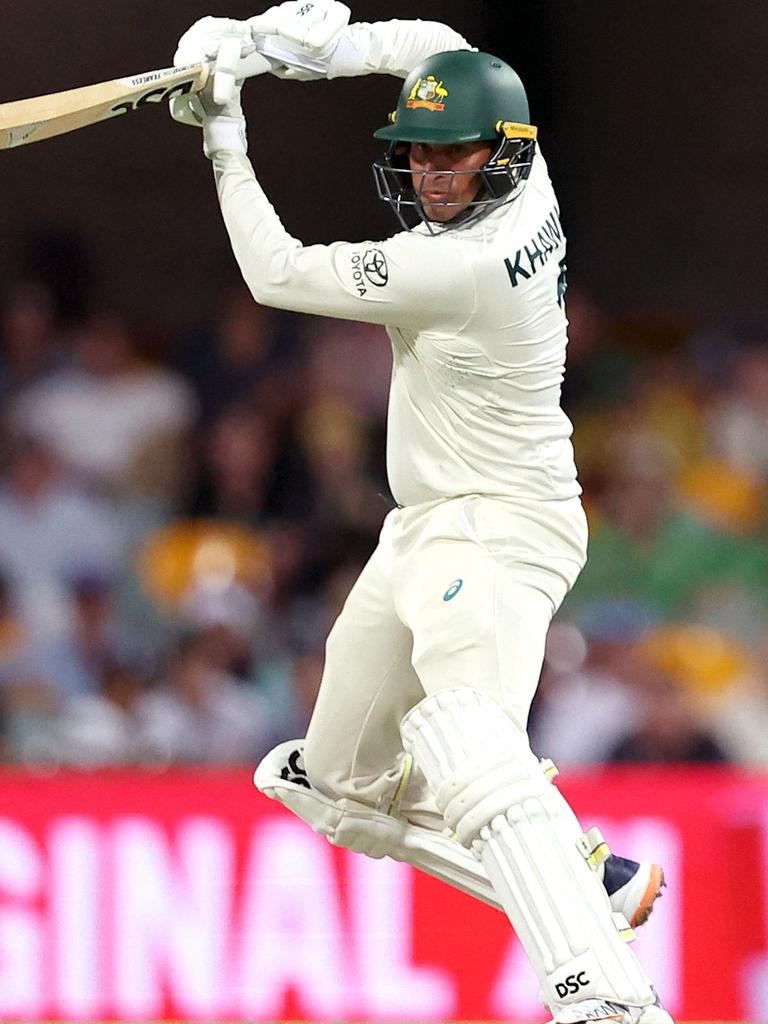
{"x":656,"y":882}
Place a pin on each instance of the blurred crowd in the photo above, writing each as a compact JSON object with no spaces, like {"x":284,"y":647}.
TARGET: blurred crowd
{"x":182,"y":517}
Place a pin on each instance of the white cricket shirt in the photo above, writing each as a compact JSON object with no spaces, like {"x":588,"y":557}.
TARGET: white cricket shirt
{"x":477,"y":325}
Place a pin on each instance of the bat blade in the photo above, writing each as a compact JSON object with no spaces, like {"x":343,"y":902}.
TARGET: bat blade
{"x":43,"y":117}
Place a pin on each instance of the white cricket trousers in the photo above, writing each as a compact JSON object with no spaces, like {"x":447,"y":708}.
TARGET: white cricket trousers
{"x":458,"y":592}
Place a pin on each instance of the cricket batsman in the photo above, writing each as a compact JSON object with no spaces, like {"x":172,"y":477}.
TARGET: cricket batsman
{"x":417,"y":747}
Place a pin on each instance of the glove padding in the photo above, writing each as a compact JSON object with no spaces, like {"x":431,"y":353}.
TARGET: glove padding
{"x":311,"y":39}
{"x":311,"y":28}
{"x":202,"y":43}
{"x":216,"y":108}
{"x":299,"y":39}
{"x":226,"y":45}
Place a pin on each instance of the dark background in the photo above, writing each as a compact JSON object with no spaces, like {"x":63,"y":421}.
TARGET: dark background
{"x":652,"y":116}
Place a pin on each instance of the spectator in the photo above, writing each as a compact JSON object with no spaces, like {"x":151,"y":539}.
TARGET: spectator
{"x":334,"y":442}
{"x":116,"y":421}
{"x":600,"y":371}
{"x":30,"y":345}
{"x":14,"y":635}
{"x":107,"y":727}
{"x":51,"y":533}
{"x":25,"y":702}
{"x":95,"y":637}
{"x":335,"y":353}
{"x":740,"y":720}
{"x":585,"y":704}
{"x":232,"y":361}
{"x":738,"y":423}
{"x":201,"y":715}
{"x":316,"y":609}
{"x":670,"y":730}
{"x":644,"y":548}
{"x":237,"y":479}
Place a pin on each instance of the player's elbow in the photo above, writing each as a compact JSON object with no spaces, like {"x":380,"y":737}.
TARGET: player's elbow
{"x":269,"y":293}
{"x":272,"y":280}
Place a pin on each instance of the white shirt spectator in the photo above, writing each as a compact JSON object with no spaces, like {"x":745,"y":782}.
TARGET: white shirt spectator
{"x":50,"y":534}
{"x":111,"y":413}
{"x":100,"y":426}
{"x":231,"y":726}
{"x":202,"y":715}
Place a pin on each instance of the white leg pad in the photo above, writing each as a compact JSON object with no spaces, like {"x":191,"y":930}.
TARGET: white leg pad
{"x":495,"y":796}
{"x":366,"y":830}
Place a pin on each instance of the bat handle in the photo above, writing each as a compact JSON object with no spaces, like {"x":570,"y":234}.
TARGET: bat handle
{"x":203,"y":76}
{"x":232,"y":63}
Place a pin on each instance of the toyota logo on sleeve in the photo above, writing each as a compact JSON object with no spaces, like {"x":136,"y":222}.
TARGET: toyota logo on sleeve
{"x":375,"y":267}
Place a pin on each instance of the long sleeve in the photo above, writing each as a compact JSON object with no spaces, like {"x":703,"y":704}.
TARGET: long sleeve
{"x":392,"y":47}
{"x":410,"y":280}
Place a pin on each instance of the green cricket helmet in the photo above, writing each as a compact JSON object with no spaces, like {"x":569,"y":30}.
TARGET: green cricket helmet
{"x":452,"y":98}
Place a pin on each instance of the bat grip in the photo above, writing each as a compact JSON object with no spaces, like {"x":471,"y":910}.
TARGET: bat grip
{"x":203,"y":76}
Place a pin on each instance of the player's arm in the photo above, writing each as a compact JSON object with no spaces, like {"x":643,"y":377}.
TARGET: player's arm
{"x":410,"y":280}
{"x":314,"y":40}
{"x":389,"y":47}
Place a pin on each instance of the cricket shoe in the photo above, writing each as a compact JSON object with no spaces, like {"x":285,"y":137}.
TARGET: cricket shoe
{"x":632,"y":888}
{"x":588,"y":1010}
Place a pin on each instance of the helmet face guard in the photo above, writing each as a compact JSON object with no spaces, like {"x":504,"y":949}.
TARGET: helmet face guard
{"x":500,"y":180}
{"x":453,"y":98}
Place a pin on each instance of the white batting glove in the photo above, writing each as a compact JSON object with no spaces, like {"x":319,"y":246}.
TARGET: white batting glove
{"x":223,"y":122}
{"x":216,"y":108}
{"x":308,"y":27}
{"x":226,"y":46}
{"x":310,"y":39}
{"x":203,"y":41}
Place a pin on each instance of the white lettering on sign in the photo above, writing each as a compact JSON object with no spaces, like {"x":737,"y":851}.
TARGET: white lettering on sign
{"x":22,"y":879}
{"x":76,"y":901}
{"x":292,"y":937}
{"x":132,"y":918}
{"x":516,"y":985}
{"x":659,"y":946}
{"x":391,"y":986}
{"x":171,"y":916}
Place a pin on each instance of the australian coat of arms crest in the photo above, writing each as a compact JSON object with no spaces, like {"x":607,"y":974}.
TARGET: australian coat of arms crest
{"x":429,"y":93}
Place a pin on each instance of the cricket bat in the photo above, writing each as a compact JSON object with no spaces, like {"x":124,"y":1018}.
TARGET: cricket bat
{"x":42,"y":117}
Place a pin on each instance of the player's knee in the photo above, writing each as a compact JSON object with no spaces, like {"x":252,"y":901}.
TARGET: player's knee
{"x":327,"y":771}
{"x":322,"y":769}
{"x":477,"y":763}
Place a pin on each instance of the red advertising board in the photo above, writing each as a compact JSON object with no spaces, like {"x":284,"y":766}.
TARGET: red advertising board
{"x":133,"y":896}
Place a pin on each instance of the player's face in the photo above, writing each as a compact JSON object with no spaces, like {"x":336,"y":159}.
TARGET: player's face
{"x":444,"y":196}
